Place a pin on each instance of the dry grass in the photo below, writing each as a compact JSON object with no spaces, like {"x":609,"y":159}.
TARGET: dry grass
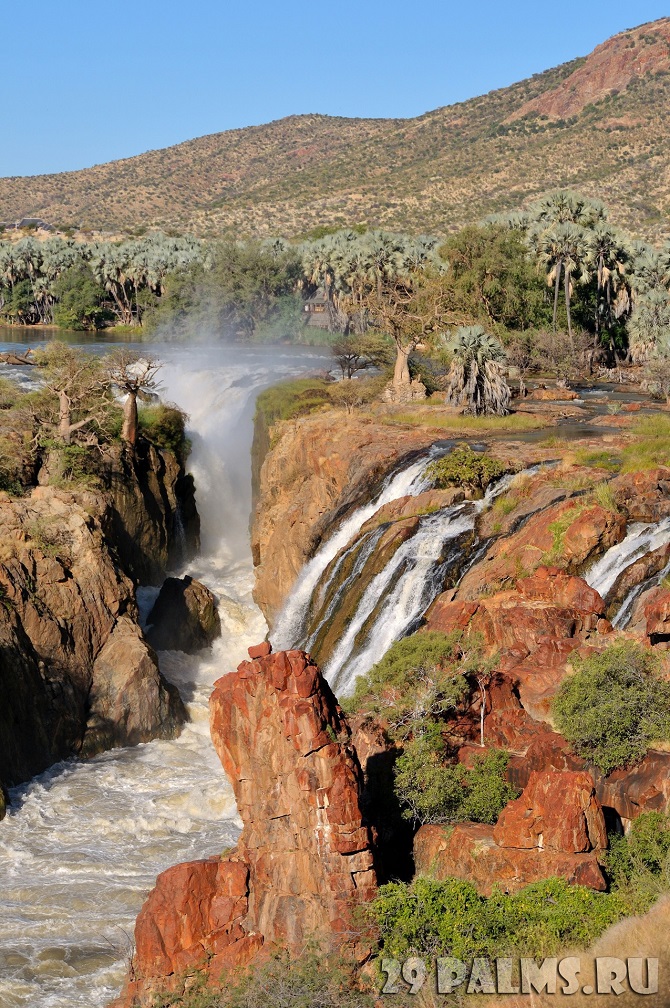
{"x":452,"y":423}
{"x":429,"y":174}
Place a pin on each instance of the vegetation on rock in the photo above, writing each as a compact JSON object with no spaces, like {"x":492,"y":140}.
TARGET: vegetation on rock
{"x":466,"y":468}
{"x":614,"y":706}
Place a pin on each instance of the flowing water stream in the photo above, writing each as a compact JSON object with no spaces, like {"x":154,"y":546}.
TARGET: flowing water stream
{"x":641,"y":538}
{"x":83,"y":842}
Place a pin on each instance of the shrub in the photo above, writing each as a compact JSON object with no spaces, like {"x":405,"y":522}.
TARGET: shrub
{"x":614,"y":706}
{"x":433,"y":918}
{"x":164,"y":424}
{"x":430,"y":791}
{"x":642,"y":857}
{"x":313,"y":981}
{"x":417,"y":678}
{"x":465,"y":468}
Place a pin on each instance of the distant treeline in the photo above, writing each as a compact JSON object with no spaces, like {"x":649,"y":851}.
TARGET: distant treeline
{"x":559,"y":267}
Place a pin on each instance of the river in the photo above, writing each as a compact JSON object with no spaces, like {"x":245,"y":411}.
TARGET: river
{"x":82,"y":843}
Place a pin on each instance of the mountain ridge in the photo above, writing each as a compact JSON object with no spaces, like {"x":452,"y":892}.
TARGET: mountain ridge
{"x":598,"y":123}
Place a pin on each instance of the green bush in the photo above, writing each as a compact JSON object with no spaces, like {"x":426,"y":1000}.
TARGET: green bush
{"x":429,"y":918}
{"x":465,"y":468}
{"x":614,"y":706}
{"x":417,"y":678}
{"x":431,"y":791}
{"x":165,"y":424}
{"x":641,"y":859}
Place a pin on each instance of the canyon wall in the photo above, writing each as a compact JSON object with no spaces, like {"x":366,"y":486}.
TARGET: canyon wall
{"x":76,"y":673}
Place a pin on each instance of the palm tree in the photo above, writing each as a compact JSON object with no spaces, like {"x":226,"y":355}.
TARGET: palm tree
{"x":476,"y":380}
{"x":649,"y":324}
{"x":563,"y":249}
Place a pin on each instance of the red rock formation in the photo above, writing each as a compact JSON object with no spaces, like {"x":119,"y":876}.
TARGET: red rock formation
{"x":568,"y":534}
{"x":644,"y":788}
{"x":303,"y":861}
{"x":557,"y":810}
{"x":556,"y":827}
{"x":534,"y":628}
{"x":609,"y":68}
{"x":644,"y":496}
{"x":468,"y":851}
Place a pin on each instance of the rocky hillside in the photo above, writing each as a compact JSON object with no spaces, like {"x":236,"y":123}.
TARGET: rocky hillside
{"x":599,"y":124}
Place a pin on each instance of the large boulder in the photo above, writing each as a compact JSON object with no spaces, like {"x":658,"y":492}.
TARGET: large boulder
{"x":468,"y":851}
{"x":556,"y":811}
{"x":303,"y":862}
{"x":643,"y":788}
{"x":184,"y":617}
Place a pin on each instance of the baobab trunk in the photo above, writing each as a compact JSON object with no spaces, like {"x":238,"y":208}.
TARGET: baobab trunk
{"x":401,"y":371}
{"x":64,"y":418}
{"x":130,"y":422}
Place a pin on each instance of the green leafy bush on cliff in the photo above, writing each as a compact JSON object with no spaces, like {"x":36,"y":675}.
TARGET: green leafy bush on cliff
{"x":419,"y":677}
{"x":164,"y":424}
{"x":431,"y":791}
{"x":430,"y":918}
{"x":465,"y":468}
{"x":614,"y":706}
{"x":639,"y":862}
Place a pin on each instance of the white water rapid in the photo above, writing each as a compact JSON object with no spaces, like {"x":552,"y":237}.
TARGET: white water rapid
{"x":83,"y":843}
{"x":640,"y":539}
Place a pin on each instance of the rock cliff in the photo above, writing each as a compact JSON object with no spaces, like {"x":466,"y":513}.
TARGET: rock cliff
{"x":319,"y":469}
{"x":303,"y":862}
{"x":76,"y":673}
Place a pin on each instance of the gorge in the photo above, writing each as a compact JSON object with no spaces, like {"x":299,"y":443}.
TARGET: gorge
{"x":340,"y":502}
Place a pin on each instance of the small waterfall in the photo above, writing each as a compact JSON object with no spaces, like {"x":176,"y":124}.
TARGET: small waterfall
{"x":292,"y":620}
{"x":622,"y":618}
{"x":641,"y":538}
{"x":399,"y":595}
{"x":179,"y":536}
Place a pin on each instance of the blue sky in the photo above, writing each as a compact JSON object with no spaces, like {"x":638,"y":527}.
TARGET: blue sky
{"x":85,"y":82}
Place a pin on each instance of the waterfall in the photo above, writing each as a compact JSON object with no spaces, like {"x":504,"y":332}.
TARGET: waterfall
{"x":641,"y":538}
{"x":399,"y":595}
{"x":291,"y":622}
{"x":82,"y":843}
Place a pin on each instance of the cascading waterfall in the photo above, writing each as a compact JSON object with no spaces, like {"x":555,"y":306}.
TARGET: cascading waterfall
{"x":83,"y":842}
{"x":397,"y":596}
{"x":640,"y":539}
{"x":291,"y":622}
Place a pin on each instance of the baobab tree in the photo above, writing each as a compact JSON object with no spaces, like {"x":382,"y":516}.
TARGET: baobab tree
{"x":77,"y":382}
{"x":134,"y":375}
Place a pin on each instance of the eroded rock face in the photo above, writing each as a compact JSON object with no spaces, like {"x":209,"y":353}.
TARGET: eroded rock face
{"x":77,"y":674}
{"x":184,"y":617}
{"x":557,"y":811}
{"x":303,"y":862}
{"x":556,"y":827}
{"x":316,"y":472}
{"x":534,"y":628}
{"x":468,"y":851}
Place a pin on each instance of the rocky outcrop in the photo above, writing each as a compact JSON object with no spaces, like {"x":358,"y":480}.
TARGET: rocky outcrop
{"x":152,"y":517}
{"x":609,"y":69}
{"x":556,"y":827}
{"x":468,"y":851}
{"x":77,"y":675}
{"x":567,"y":534}
{"x":534,"y":628}
{"x":317,"y":471}
{"x":184,"y":617}
{"x":643,"y":788}
{"x":303,"y":862}
{"x":643,"y":496}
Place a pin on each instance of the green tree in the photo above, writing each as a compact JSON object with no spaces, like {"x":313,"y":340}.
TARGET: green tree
{"x":614,"y":706}
{"x":79,"y":300}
